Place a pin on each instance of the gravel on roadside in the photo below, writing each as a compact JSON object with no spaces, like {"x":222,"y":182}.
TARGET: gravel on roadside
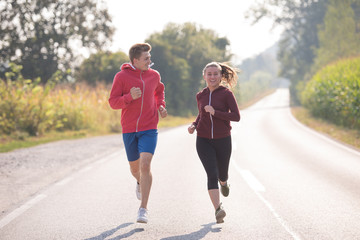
{"x":25,"y":172}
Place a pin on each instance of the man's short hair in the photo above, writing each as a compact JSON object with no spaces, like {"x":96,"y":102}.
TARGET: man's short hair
{"x":137,"y":49}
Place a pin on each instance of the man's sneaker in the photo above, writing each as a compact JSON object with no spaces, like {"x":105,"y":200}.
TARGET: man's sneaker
{"x":138,"y":193}
{"x":220,"y":214}
{"x":142,"y":216}
{"x":225,"y":189}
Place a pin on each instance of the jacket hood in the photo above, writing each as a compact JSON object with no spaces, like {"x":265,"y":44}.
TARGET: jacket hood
{"x":206,"y":89}
{"x":128,"y":66}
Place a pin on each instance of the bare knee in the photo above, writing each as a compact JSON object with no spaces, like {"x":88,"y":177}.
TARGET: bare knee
{"x":145,"y":168}
{"x":145,"y":162}
{"x":134,"y":167}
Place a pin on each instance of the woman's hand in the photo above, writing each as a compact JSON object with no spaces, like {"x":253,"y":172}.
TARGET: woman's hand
{"x":209,"y":109}
{"x":191,"y":129}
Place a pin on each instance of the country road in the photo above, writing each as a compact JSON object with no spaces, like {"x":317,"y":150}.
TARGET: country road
{"x":287,"y":182}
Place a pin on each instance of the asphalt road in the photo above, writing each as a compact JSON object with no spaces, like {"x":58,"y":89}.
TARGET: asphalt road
{"x":287,"y":182}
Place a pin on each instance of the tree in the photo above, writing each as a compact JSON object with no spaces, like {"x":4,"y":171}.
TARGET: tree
{"x":180,"y":53}
{"x":39,"y":34}
{"x":300,"y":39}
{"x":101,"y":66}
{"x":338,"y":35}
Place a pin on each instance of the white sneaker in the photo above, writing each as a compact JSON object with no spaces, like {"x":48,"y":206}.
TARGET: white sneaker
{"x":142,"y":215}
{"x":138,"y":193}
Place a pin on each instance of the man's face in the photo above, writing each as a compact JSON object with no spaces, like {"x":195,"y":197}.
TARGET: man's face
{"x":143,"y":62}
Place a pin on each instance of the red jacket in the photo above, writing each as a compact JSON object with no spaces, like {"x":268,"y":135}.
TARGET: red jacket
{"x":226,"y":110}
{"x":140,"y":114}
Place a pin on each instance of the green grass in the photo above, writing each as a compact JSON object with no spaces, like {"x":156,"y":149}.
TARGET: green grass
{"x":256,"y":99}
{"x":348,"y":136}
{"x":9,"y":143}
{"x":342,"y":134}
{"x":21,"y":140}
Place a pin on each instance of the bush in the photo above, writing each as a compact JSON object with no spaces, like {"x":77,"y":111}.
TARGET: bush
{"x":334,"y":93}
{"x":28,"y":107}
{"x":23,"y":104}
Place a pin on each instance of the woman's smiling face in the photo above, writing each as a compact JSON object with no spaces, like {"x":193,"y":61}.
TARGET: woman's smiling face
{"x":212,"y":77}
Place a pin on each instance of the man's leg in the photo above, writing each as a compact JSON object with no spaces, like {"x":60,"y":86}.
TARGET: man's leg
{"x":145,"y":177}
{"x":134,"y":168}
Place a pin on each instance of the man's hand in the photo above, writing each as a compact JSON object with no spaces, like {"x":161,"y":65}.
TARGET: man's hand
{"x":209,"y":109}
{"x":135,"y":92}
{"x":162,"y":111}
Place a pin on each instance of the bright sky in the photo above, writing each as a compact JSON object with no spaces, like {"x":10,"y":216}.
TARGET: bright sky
{"x":137,"y":20}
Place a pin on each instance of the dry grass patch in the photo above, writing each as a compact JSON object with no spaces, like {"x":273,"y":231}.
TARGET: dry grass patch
{"x":342,"y":134}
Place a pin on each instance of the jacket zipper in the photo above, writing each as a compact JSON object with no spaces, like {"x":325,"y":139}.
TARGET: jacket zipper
{"x":212,"y":123}
{"x":142,"y":102}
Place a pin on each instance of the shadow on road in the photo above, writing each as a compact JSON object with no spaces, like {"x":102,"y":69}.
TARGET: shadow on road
{"x":196,"y":235}
{"x":206,"y":228}
{"x":108,"y":233}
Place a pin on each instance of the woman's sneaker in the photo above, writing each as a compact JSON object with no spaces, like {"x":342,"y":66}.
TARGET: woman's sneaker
{"x":138,"y":193}
{"x":225,"y":190}
{"x":220,"y":214}
{"x":142,"y":215}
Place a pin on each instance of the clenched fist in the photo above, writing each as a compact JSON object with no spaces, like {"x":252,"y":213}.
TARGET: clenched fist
{"x":135,"y":92}
{"x":162,"y":111}
{"x":209,"y":109}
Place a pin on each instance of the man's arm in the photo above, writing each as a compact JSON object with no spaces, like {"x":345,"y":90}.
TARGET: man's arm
{"x":118,"y":99}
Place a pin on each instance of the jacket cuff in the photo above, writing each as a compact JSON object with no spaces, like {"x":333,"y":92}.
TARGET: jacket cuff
{"x":128,"y":98}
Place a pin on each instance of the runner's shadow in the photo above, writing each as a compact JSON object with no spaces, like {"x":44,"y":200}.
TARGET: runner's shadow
{"x":108,"y":233}
{"x":196,"y":235}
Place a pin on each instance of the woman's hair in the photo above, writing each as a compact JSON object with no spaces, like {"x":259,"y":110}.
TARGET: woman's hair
{"x":228,"y":74}
{"x":137,"y":49}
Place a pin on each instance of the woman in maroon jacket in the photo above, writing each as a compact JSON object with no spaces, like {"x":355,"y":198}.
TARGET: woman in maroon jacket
{"x":217,"y":107}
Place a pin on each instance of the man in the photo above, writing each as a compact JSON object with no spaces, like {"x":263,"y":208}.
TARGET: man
{"x":138,"y":91}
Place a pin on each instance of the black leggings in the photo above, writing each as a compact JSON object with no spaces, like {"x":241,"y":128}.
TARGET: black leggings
{"x":215,"y":156}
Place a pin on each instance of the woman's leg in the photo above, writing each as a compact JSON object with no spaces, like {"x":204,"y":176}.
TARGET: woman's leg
{"x":223,"y":154}
{"x":207,"y":156}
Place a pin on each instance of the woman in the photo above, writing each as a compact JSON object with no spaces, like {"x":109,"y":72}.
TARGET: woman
{"x":217,"y":107}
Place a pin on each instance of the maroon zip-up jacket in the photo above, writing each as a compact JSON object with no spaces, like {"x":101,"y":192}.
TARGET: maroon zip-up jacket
{"x":226,"y":110}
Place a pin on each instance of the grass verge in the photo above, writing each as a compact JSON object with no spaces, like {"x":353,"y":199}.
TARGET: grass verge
{"x":342,"y":134}
{"x":9,"y":143}
{"x":256,"y":99}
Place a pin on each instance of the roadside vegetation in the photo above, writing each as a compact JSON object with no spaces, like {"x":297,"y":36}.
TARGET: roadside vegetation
{"x":321,"y":58}
{"x":346,"y":135}
{"x":33,"y":113}
{"x":48,"y":91}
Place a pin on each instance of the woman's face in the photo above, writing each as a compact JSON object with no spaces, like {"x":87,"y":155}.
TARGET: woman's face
{"x":212,"y":77}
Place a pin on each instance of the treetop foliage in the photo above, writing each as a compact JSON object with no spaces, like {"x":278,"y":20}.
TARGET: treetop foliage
{"x":40,"y":34}
{"x":180,"y":52}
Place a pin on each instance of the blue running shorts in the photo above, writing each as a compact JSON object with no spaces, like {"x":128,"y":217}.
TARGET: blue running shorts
{"x":138,"y":142}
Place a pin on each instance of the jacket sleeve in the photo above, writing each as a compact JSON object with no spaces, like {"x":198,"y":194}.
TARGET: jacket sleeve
{"x":118,"y":99}
{"x":160,"y":95}
{"x":233,"y":114}
{"x":198,"y":116}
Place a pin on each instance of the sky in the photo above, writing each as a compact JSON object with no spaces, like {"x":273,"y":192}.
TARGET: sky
{"x":136,"y":20}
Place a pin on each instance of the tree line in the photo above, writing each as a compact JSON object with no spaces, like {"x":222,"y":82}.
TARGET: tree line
{"x":317,"y":32}
{"x":40,"y":36}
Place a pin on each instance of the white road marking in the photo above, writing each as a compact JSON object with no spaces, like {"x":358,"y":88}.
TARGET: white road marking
{"x":278,"y":217}
{"x":88,"y":168}
{"x":257,"y":187}
{"x":64,"y":181}
{"x":250,"y":179}
{"x":321,"y":136}
{"x":20,"y":210}
{"x":17,"y":212}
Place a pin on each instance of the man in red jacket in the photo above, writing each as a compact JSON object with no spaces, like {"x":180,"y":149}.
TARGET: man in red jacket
{"x":138,"y":91}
